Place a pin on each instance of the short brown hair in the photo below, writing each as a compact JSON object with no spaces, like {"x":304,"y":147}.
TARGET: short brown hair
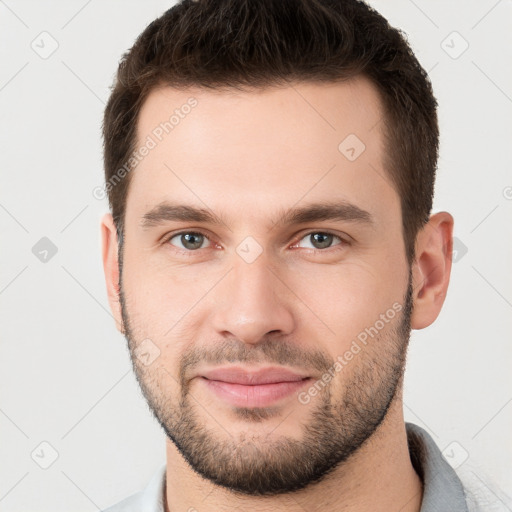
{"x":256,"y":44}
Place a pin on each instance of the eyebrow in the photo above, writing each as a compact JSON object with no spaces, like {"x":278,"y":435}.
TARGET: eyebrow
{"x":314,"y":212}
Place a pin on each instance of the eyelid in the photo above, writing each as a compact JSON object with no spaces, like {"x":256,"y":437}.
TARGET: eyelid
{"x":343,"y":239}
{"x":167,"y":238}
{"x":297,"y":239}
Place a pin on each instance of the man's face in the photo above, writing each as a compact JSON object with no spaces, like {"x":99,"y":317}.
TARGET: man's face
{"x":326,"y":298}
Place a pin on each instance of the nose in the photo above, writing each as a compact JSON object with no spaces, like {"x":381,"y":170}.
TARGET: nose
{"x":252,"y":302}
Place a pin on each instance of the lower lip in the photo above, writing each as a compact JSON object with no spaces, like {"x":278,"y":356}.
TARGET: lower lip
{"x":261,"y":395}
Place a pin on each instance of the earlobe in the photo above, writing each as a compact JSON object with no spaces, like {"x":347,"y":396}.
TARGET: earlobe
{"x":111,"y":267}
{"x":431,"y":269}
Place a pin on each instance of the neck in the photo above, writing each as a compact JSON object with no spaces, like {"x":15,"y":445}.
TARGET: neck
{"x":379,"y":476}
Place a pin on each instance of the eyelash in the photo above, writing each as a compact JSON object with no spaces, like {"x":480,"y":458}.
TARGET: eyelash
{"x":334,"y":248}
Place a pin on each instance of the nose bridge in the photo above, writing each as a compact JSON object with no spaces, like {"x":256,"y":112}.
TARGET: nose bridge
{"x":251,"y":303}
{"x":253,"y":282}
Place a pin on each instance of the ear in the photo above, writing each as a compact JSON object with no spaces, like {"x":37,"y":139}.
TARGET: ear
{"x":431,"y":269}
{"x":111,"y":267}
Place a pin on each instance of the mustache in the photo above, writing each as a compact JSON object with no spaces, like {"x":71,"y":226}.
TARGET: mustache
{"x":269,"y":351}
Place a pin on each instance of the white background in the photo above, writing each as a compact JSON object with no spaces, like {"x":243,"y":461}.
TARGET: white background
{"x":65,"y":372}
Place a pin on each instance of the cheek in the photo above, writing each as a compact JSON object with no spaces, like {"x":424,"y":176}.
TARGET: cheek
{"x":160,"y":296}
{"x":164,"y":303}
{"x":342,"y":301}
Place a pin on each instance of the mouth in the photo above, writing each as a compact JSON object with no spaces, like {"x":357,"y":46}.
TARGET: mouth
{"x":253,"y":388}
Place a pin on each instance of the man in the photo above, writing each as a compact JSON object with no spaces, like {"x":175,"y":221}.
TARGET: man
{"x":270,"y":168}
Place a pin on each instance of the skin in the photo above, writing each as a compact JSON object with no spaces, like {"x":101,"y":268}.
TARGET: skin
{"x":249,"y":156}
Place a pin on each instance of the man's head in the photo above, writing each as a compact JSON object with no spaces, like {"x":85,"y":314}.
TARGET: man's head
{"x":236,"y":44}
{"x":278,"y":218}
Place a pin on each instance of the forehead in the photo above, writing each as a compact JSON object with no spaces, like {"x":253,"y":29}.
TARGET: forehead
{"x":261,"y":150}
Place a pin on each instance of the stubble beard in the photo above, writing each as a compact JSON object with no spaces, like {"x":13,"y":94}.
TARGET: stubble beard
{"x":263,"y":465}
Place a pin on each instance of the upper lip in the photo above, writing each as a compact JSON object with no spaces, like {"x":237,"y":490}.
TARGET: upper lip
{"x":239,"y":375}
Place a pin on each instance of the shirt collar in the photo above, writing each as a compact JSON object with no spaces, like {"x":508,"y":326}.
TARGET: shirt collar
{"x":442,"y":488}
